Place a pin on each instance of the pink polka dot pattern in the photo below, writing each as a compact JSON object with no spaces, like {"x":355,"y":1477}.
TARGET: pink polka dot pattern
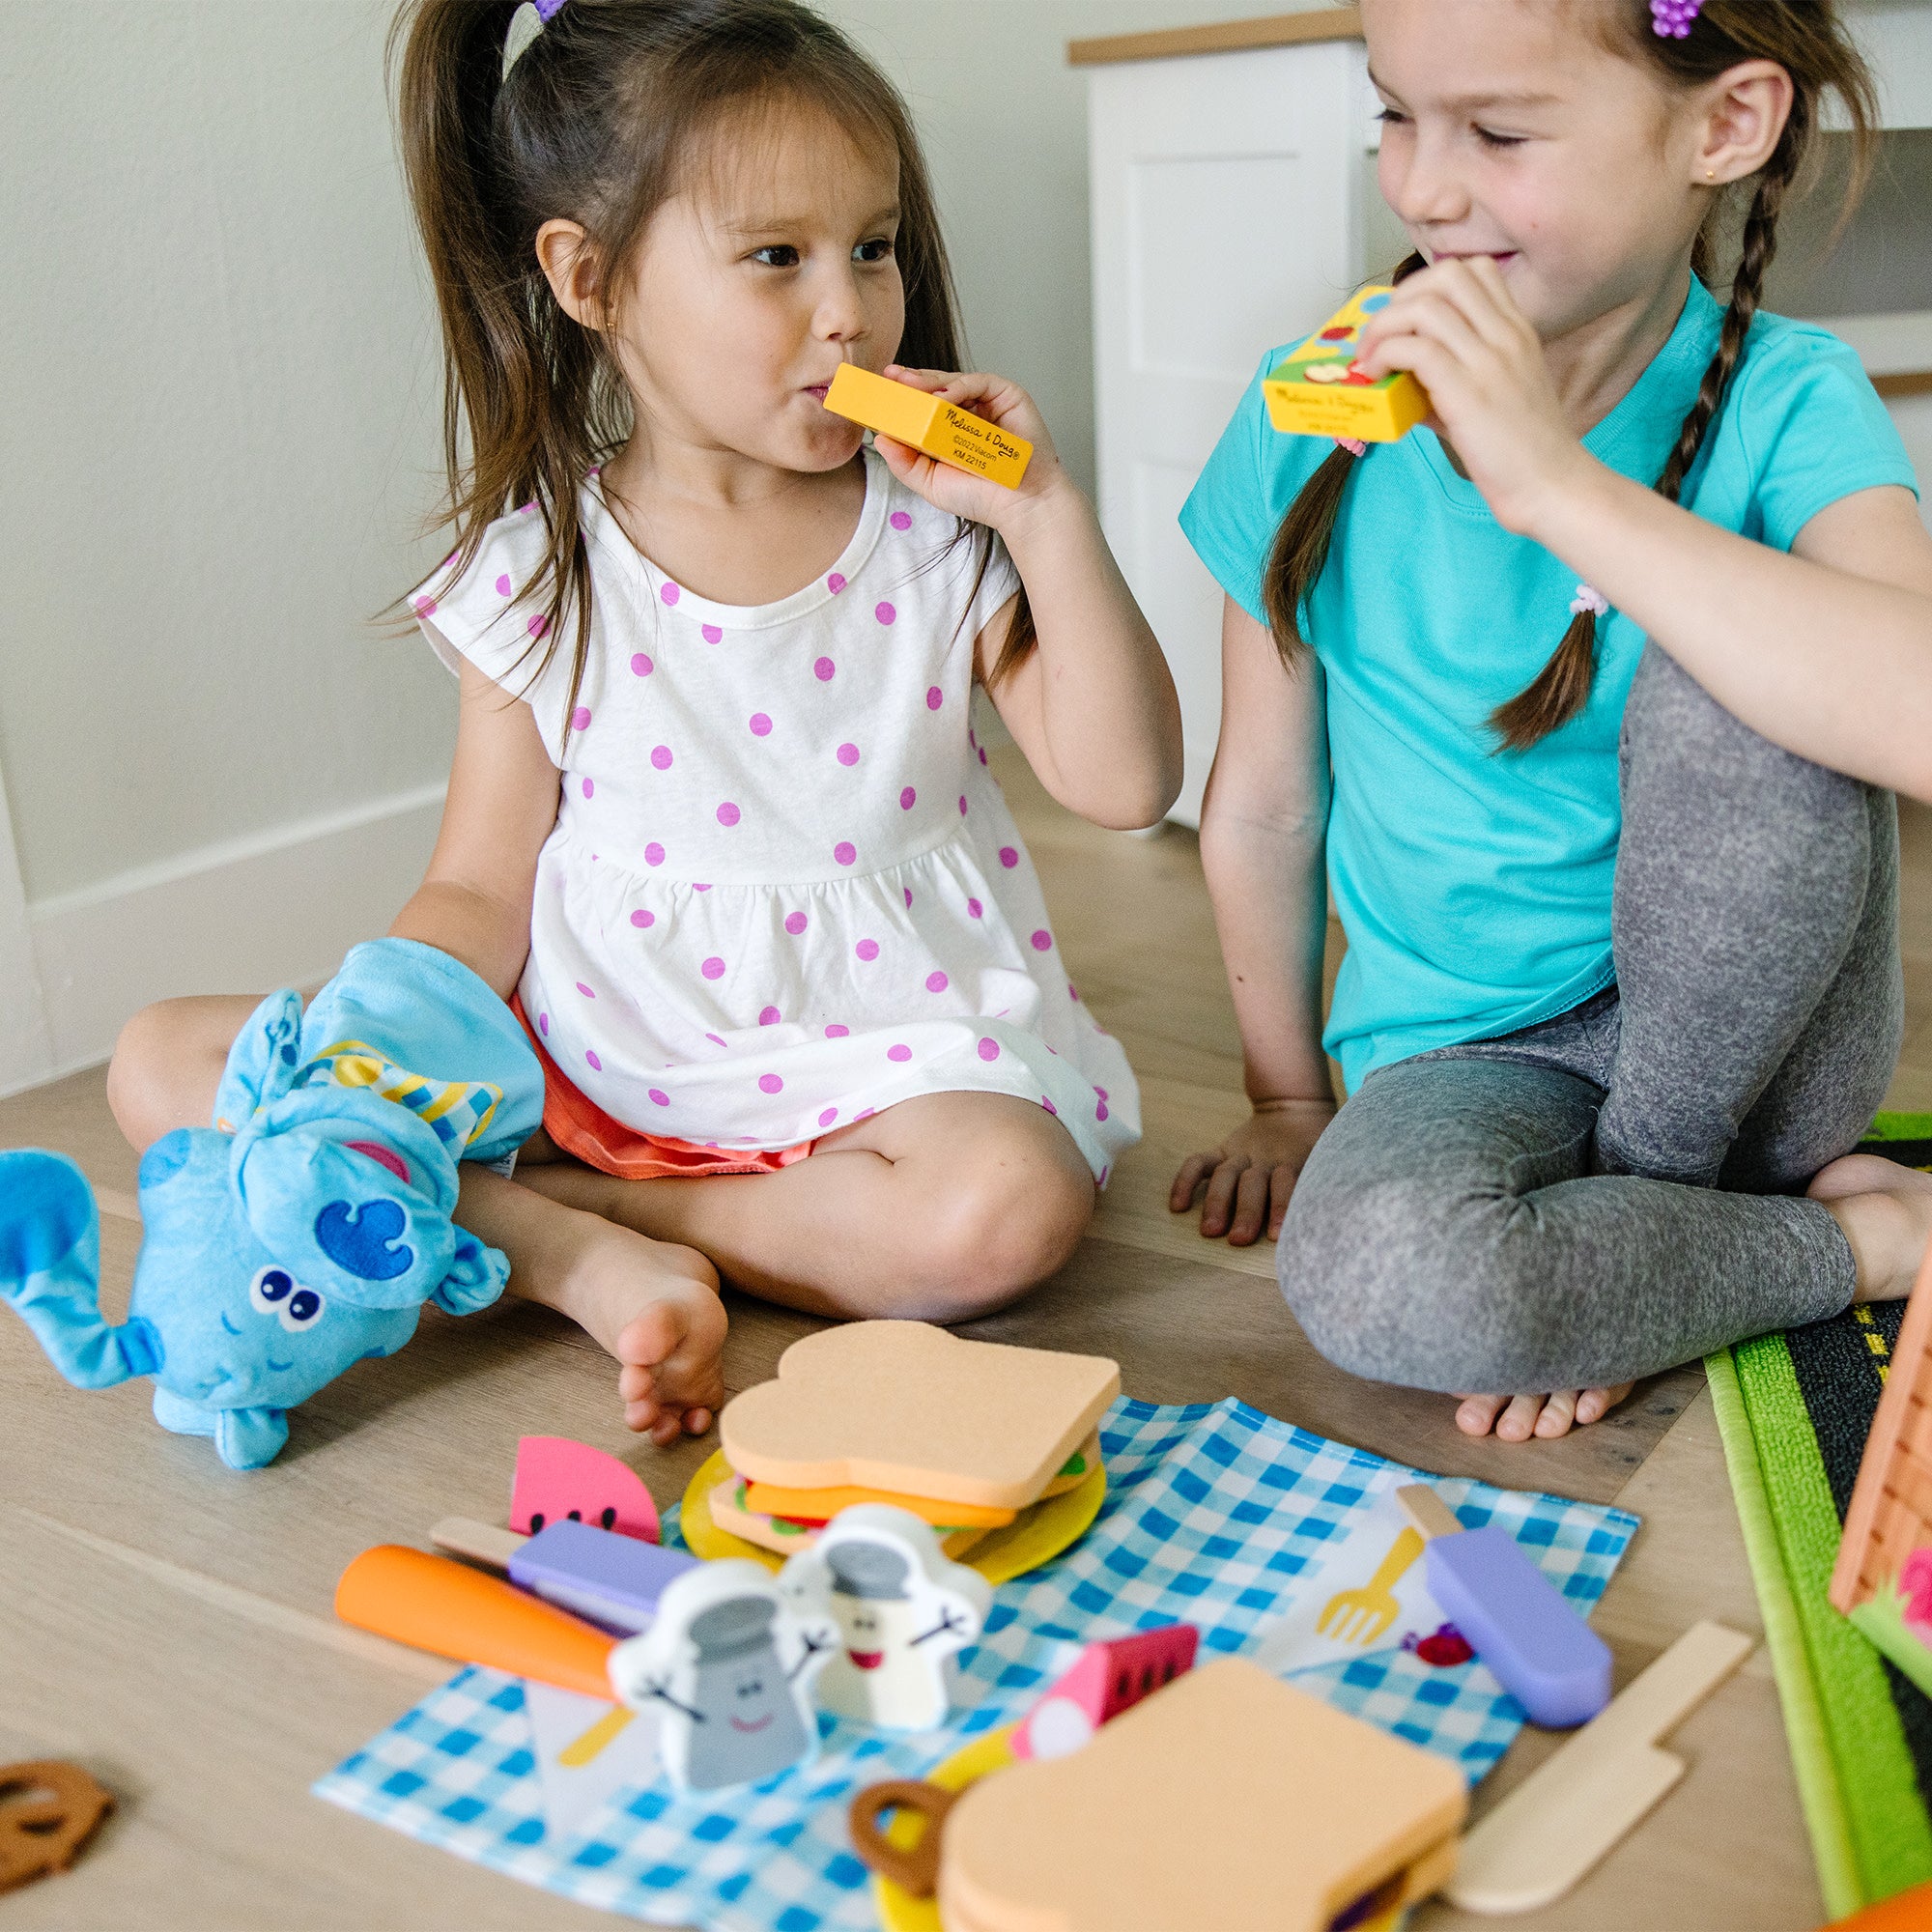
{"x":713,"y":633}
{"x":936,"y":983}
{"x":643,"y":919}
{"x":727,"y":813}
{"x":654,"y":854}
{"x":974,"y":909}
{"x":770,"y":1083}
{"x":503,"y":584}
{"x":543,"y":1024}
{"x":989,"y":1049}
{"x":715,"y":1041}
{"x":834,"y":584}
{"x":668,"y":592}
{"x":641,"y":665}
{"x":837,"y":1032}
{"x":1043,"y":941}
{"x":1073,"y":992}
{"x":848,"y":754}
{"x":1048,"y":1104}
{"x":908,"y":893}
{"x":761,"y":726}
{"x":579,"y":719}
{"x":908,"y":798}
{"x":425,"y":606}
{"x":661,"y":757}
{"x":713,"y":967}
{"x":898,"y":1053}
{"x":1101,"y":1110}
{"x":1009,"y":858}
{"x":845,"y":852}
{"x":589,"y":787}
{"x":824,"y":670}
{"x":982,"y":754}
{"x":769,"y":1016}
{"x":591,"y":1061}
{"x":796,"y":922}
{"x":697,"y":888}
{"x":899,"y":521}
{"x":867,"y":949}
{"x":962,"y":805}
{"x":659,"y":1097}
{"x":585,"y":990}
{"x":829,"y":1115}
{"x":885,"y":613}
{"x":934,"y":698}
{"x":537,"y":625}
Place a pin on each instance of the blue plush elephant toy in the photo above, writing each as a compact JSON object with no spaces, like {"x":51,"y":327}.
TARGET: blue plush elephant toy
{"x":304,"y":1230}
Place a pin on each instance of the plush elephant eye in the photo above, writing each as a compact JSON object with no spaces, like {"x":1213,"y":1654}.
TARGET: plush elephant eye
{"x":270,"y":1290}
{"x":302,"y":1310}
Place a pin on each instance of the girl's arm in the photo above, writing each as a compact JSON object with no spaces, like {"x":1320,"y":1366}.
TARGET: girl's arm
{"x":1825,"y":651}
{"x":475,"y":901}
{"x":1093,"y":708}
{"x":1264,"y":829}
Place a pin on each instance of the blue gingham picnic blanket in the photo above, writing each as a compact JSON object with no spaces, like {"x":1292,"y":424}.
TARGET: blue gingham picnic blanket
{"x":1216,"y":1516}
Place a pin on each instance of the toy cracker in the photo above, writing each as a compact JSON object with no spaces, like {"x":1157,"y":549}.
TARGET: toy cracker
{"x":901,"y":1609}
{"x":731,"y":1663}
{"x":1317,"y":389}
{"x":1224,"y":1799}
{"x":943,"y":431}
{"x":306,"y":1229}
{"x":1883,"y":1581}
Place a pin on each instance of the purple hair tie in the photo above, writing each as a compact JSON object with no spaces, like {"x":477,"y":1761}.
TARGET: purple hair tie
{"x":1669,"y":20}
{"x":549,"y":10}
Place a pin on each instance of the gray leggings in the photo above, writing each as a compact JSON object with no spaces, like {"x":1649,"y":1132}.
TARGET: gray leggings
{"x":1616,"y":1190}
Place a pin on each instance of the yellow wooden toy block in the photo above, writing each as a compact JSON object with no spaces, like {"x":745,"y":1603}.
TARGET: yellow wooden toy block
{"x":1316,"y":391}
{"x":944,"y":432}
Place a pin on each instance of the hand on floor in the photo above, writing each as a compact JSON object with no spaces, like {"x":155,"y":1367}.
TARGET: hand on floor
{"x":1517,"y":1418}
{"x":1248,"y":1178}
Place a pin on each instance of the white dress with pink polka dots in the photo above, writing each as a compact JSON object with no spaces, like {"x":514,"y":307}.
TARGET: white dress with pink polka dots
{"x":783,"y":892}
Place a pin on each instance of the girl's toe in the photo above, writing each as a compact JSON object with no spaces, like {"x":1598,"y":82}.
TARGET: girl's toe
{"x":1559,"y":1411}
{"x":1477,"y":1414}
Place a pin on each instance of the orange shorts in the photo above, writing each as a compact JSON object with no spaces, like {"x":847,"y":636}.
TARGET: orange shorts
{"x":580,"y":1128}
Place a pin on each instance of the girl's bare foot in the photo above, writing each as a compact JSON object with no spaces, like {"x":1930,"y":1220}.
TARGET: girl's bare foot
{"x":1885,"y":1211}
{"x":1516,"y":1418}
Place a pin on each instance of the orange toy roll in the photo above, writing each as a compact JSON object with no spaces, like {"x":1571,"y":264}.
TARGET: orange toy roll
{"x":1910,"y":1912}
{"x":436,"y":1605}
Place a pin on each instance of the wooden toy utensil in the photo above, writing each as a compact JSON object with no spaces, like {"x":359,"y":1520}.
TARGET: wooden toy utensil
{"x":1575,"y":1806}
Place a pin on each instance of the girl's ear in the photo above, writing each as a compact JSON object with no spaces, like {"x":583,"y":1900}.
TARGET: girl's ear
{"x":570,"y":267}
{"x":1745,"y":109}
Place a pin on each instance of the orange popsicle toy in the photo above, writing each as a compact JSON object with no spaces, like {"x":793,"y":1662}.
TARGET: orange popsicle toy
{"x":446,"y":1607}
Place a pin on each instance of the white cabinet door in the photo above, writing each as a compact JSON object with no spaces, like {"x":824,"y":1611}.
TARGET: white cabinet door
{"x":1226,"y":190}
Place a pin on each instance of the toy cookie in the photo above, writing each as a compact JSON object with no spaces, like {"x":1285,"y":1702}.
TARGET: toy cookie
{"x":1317,"y":389}
{"x":41,"y":1835}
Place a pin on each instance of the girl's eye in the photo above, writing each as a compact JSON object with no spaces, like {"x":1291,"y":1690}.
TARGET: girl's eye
{"x":304,"y":1310}
{"x":780,"y":255}
{"x":878,"y":249}
{"x":1489,"y":138}
{"x":1390,"y":118}
{"x":269,"y":1290}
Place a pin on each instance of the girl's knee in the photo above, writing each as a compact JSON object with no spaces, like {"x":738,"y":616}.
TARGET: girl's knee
{"x":167,"y":1062}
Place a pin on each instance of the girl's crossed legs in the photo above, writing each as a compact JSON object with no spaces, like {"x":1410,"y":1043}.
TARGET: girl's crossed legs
{"x":942,"y":1208}
{"x":1621,"y":1188}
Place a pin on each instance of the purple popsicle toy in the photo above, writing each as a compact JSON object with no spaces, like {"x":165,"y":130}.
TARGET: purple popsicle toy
{"x":1516,"y":1620}
{"x":614,"y":1580}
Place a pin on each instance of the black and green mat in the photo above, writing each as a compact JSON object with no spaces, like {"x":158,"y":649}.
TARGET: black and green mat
{"x":1795,"y":1411}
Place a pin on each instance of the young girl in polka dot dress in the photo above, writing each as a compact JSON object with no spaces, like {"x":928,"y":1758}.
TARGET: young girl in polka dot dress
{"x":719,"y":822}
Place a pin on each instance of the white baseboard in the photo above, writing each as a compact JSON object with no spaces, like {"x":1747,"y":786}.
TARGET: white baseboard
{"x":278,"y":909}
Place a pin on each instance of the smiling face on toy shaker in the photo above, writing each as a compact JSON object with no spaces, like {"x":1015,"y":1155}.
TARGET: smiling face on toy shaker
{"x":748,"y":1725}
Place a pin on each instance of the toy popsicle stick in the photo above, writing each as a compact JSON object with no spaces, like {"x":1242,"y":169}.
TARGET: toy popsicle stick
{"x":586,"y":1750}
{"x":480,"y":1541}
{"x":442,"y":1607}
{"x":1574,"y":1807}
{"x":1429,"y":1513}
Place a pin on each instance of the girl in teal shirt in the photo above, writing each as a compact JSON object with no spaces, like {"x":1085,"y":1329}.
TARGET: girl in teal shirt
{"x":1608,"y":1022}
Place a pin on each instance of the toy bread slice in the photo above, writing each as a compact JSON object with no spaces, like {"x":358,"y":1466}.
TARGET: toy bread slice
{"x":910,"y":1409}
{"x":730,"y":1512}
{"x":1224,"y":1800}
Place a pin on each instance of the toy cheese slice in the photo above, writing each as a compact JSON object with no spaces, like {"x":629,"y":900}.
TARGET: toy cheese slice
{"x":1883,"y":1581}
{"x":940,"y":430}
{"x":912,"y":1410}
{"x":1226,"y":1798}
{"x":1316,"y":390}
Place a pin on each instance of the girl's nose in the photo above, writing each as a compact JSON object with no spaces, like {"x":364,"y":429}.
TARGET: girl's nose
{"x":1423,"y":184}
{"x":841,"y":314}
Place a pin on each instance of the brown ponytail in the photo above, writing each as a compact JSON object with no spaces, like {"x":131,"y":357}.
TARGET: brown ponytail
{"x":1806,"y":39}
{"x":598,"y":121}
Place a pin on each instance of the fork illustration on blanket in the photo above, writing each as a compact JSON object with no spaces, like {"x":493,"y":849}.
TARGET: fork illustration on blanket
{"x":1364,"y":1614}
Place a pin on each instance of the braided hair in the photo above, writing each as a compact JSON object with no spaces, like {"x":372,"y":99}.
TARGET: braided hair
{"x":1806,"y":39}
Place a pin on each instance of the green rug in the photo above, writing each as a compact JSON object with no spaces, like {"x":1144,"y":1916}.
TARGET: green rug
{"x":1795,"y":1411}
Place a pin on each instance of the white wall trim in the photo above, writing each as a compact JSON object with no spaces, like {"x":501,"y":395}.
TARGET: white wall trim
{"x":277,"y":908}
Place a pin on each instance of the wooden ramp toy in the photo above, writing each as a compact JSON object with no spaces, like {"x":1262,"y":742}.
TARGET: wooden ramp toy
{"x":911,"y":1410}
{"x":1226,"y":1798}
{"x":1883,"y":1581}
{"x":1317,"y":389}
{"x":940,"y":430}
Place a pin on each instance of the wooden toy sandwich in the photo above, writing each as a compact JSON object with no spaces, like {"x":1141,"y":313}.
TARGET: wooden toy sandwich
{"x":966,"y":1435}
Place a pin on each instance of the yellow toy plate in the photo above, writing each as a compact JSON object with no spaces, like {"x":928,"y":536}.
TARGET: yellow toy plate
{"x":1038,"y":1537}
{"x":898,"y":1910}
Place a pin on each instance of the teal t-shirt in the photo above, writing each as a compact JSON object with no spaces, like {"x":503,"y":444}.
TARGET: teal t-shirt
{"x":1474,"y":886}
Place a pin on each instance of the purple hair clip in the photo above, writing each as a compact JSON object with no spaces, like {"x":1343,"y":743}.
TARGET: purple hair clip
{"x":1669,"y":20}
{"x":525,"y":25}
{"x":549,"y":10}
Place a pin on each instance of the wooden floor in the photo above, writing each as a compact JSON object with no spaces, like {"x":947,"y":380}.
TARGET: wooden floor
{"x":167,"y":1622}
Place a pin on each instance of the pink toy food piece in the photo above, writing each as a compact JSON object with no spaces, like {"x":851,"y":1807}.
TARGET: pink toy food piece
{"x":559,"y":1480}
{"x":1107,"y":1678}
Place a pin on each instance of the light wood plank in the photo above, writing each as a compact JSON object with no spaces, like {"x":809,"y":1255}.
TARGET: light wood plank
{"x":1221,"y":37}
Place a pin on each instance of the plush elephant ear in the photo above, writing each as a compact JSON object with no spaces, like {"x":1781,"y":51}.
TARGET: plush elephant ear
{"x":475,"y":1279}
{"x":262,"y":1063}
{"x":50,"y":1266}
{"x":363,"y":1221}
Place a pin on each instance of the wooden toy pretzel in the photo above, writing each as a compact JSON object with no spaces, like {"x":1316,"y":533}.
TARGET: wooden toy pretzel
{"x":913,"y":1868}
{"x":39,"y":1835}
